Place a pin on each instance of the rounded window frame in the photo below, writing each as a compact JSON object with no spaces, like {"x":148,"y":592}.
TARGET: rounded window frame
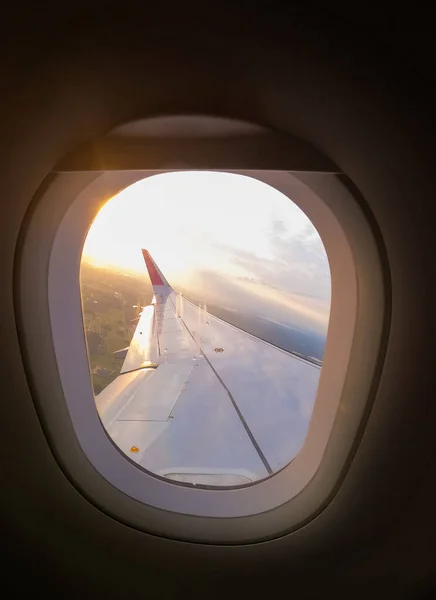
{"x":57,"y":365}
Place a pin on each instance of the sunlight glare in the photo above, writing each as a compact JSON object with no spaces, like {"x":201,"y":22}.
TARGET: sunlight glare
{"x":190,"y":220}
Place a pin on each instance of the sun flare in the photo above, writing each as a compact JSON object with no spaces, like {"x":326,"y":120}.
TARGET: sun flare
{"x":190,"y":220}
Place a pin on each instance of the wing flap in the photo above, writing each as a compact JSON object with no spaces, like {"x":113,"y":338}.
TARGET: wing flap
{"x":156,"y":400}
{"x":135,"y":437}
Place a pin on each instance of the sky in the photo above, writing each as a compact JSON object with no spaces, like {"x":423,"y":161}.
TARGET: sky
{"x":231,"y":239}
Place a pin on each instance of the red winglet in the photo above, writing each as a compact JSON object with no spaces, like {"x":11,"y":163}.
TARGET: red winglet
{"x":156,"y":276}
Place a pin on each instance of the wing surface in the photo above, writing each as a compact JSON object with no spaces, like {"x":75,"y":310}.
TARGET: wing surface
{"x":199,"y":400}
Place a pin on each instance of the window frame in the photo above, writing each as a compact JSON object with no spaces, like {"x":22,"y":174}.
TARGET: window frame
{"x":57,"y":365}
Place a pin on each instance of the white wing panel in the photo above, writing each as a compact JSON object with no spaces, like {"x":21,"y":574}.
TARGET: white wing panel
{"x":117,"y":395}
{"x":143,"y":348}
{"x":274,"y":390}
{"x":177,"y":342}
{"x":154,"y":399}
{"x":170,"y":324}
{"x":159,"y":333}
{"x":135,"y":437}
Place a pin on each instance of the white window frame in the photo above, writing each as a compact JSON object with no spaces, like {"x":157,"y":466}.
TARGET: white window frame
{"x":52,"y":336}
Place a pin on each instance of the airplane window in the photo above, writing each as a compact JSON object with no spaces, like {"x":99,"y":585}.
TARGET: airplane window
{"x":206,"y":302}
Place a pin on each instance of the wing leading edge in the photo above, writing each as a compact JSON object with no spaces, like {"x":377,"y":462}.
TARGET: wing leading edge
{"x":201,"y":401}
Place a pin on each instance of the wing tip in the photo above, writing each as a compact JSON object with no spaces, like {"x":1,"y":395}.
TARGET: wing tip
{"x":156,"y":277}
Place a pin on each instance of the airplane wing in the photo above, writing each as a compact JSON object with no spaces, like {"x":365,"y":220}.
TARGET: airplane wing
{"x":201,"y":401}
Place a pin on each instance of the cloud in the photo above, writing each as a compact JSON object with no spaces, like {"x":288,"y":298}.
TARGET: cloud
{"x":257,"y":299}
{"x":292,"y":287}
{"x":299,"y":264}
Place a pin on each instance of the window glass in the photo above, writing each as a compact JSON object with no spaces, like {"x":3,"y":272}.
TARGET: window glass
{"x":206,"y":299}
